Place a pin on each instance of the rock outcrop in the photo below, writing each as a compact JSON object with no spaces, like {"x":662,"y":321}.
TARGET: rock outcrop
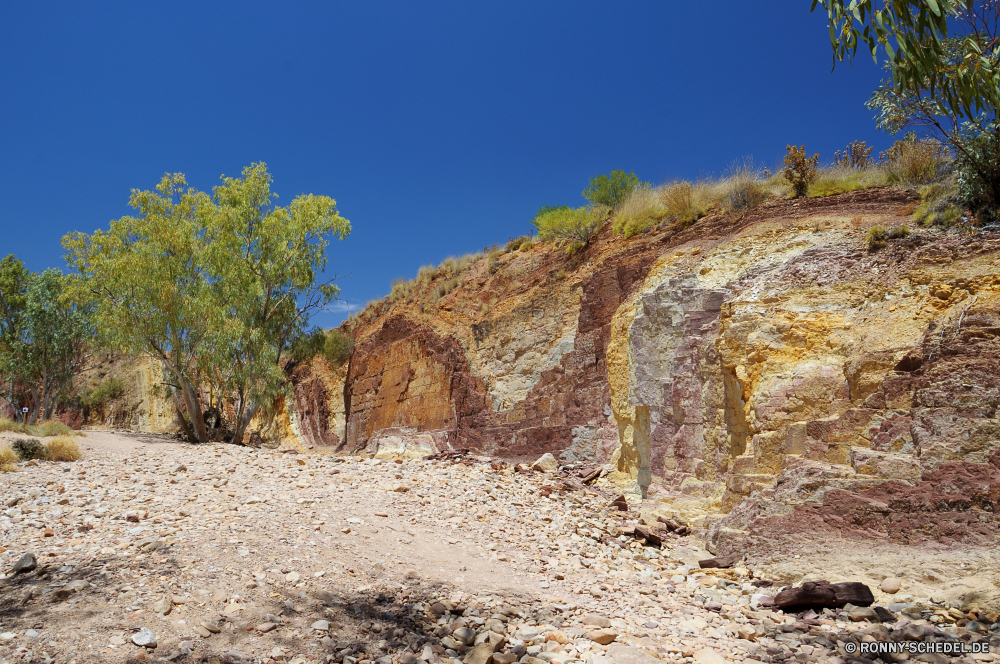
{"x":753,"y":375}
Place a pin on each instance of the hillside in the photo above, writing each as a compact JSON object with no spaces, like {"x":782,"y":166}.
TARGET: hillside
{"x":752,"y":374}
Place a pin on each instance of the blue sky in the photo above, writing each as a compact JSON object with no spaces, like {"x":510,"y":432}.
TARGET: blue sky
{"x":439,"y":127}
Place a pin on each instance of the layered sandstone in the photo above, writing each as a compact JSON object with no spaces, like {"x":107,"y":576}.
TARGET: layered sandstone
{"x":753,"y":374}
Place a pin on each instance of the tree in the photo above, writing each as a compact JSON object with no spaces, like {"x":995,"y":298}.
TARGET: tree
{"x":944,"y":59}
{"x":264,"y":261}
{"x":612,"y":189}
{"x":214,"y":287}
{"x":43,"y":337}
{"x":146,"y":278}
{"x":13,"y":300}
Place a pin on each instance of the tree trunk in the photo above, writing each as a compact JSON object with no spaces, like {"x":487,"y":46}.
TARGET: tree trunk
{"x":34,"y":406}
{"x":242,"y":421}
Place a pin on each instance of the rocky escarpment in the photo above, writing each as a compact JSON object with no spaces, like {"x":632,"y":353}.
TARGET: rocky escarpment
{"x":758,"y":376}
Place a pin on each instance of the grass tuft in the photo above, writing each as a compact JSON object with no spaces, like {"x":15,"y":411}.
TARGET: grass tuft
{"x":840,"y":180}
{"x":63,"y":448}
{"x":879,"y":236}
{"x":8,"y":460}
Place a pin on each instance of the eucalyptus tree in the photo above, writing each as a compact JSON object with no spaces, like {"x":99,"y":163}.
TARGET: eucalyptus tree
{"x":44,"y":338}
{"x":215,"y":287}
{"x":944,"y":60}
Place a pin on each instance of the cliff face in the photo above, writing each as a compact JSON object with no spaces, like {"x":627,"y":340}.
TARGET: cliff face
{"x":755,"y":374}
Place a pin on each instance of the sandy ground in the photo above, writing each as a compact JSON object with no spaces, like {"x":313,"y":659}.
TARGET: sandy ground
{"x":224,"y":553}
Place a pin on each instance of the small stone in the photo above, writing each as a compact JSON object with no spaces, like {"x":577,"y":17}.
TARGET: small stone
{"x":7,"y":636}
{"x":292,"y":577}
{"x":481,"y":654}
{"x":202,"y":632}
{"x":546,"y":463}
{"x":116,"y":641}
{"x":464,"y":635}
{"x":49,"y":533}
{"x":164,"y":605}
{"x":861,"y":613}
{"x":603,"y":636}
{"x":25,"y":563}
{"x":596,"y":620}
{"x":619,"y":653}
{"x":214,"y":629}
{"x":144,"y":638}
{"x":264,"y":628}
{"x":321,"y":626}
{"x":400,"y":488}
{"x":891,"y":586}
{"x":709,"y":656}
{"x":12,"y":501}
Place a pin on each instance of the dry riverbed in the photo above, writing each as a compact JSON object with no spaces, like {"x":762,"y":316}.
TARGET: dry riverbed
{"x":230,"y":554}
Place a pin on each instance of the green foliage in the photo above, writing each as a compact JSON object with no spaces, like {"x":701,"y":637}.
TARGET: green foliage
{"x":43,"y":336}
{"x":29,"y":448}
{"x":52,"y":428}
{"x":800,"y":169}
{"x":98,"y":394}
{"x":338,"y":347}
{"x":977,"y":166}
{"x":214,"y":287}
{"x":879,"y":236}
{"x":857,"y":155}
{"x":957,"y":75}
{"x":572,"y":227}
{"x":611,"y":190}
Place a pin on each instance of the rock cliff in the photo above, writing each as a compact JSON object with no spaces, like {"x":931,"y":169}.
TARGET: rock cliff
{"x":756,"y":375}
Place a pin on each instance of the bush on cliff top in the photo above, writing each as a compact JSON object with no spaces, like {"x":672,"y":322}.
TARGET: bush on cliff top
{"x":568,"y":226}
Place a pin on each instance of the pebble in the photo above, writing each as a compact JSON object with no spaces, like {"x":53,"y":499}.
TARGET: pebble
{"x":145,"y":638}
{"x":891,"y":586}
{"x":25,"y":563}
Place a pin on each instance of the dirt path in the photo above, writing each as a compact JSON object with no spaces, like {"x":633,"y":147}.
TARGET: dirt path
{"x":232,"y":554}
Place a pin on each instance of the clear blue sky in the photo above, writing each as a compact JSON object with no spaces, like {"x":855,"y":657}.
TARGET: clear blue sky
{"x":439,"y":127}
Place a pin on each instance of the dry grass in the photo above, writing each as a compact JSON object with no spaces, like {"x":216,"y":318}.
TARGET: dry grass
{"x":8,"y":460}
{"x":63,"y":448}
{"x":14,"y":427}
{"x":841,"y":179}
{"x":912,"y":162}
{"x":680,"y":202}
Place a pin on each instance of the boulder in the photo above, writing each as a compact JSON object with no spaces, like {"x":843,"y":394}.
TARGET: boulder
{"x":546,"y":463}
{"x":824,"y":595}
{"x":721,"y":562}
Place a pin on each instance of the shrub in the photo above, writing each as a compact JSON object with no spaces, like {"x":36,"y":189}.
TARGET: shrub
{"x":939,"y":205}
{"x":799,"y":170}
{"x":338,"y":347}
{"x":857,"y":155}
{"x":573,"y":227}
{"x":8,"y":460}
{"x":29,"y":448}
{"x":611,"y":190}
{"x":63,"y":448}
{"x":743,"y":188}
{"x":912,"y":161}
{"x":979,"y":189}
{"x":878,"y":236}
{"x":95,"y":396}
